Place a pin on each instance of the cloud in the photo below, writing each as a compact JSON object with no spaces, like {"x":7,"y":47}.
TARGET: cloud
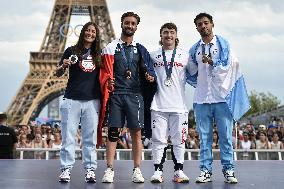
{"x":253,"y":28}
{"x":19,"y":28}
{"x":15,"y":53}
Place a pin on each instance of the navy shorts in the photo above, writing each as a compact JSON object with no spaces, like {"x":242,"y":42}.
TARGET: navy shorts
{"x":129,"y":107}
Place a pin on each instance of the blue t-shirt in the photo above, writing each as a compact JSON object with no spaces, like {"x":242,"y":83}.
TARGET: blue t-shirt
{"x":124,"y":85}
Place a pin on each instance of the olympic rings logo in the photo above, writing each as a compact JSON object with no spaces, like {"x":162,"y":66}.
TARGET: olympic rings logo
{"x":66,"y":30}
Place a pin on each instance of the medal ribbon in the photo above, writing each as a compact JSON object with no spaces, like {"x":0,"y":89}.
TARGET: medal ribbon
{"x":203,"y":49}
{"x":169,"y":67}
{"x":129,"y":61}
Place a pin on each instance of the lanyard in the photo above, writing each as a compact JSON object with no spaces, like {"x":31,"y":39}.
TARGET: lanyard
{"x":129,"y":61}
{"x":203,"y":49}
{"x":169,"y":67}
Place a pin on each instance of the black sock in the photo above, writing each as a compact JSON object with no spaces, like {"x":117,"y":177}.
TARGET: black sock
{"x":158,"y":167}
{"x":110,"y":166}
{"x":178,"y":166}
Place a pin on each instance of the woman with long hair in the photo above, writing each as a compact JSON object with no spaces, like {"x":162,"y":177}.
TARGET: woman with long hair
{"x":81,"y":102}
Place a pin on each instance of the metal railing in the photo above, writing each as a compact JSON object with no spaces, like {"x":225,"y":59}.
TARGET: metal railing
{"x":126,"y":154}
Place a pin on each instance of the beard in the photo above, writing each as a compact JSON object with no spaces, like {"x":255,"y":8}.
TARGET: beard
{"x":127,"y":32}
{"x":205,"y":33}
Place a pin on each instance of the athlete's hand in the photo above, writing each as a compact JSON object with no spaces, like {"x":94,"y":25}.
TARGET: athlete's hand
{"x":66,"y":63}
{"x":206,"y":59}
{"x":149,"y":77}
{"x":110,"y":84}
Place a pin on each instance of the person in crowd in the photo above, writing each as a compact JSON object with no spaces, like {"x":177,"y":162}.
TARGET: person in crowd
{"x":245,"y":144}
{"x":56,"y":143}
{"x":263,"y":142}
{"x":252,"y":138}
{"x":8,"y":138}
{"x":275,"y":143}
{"x":24,"y":142}
{"x":191,"y":141}
{"x":215,"y":143}
{"x":39,"y":143}
{"x":49,"y":136}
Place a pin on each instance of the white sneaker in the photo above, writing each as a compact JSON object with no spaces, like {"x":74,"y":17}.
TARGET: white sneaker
{"x":205,"y":176}
{"x":65,"y":175}
{"x":180,"y":177}
{"x":157,"y":177}
{"x":230,"y":177}
{"x":137,"y":175}
{"x":108,"y":176}
{"x":90,"y":175}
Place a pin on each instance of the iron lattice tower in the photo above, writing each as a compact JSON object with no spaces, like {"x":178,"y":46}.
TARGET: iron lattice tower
{"x":41,"y":85}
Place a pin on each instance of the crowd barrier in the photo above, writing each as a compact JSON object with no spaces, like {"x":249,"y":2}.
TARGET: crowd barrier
{"x":126,"y":154}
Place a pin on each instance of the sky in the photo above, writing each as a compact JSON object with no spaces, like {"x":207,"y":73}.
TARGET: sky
{"x":253,"y":27}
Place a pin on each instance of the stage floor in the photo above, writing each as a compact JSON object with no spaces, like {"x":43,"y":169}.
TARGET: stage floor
{"x":43,"y":174}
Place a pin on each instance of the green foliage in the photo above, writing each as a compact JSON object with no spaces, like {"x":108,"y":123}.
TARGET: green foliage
{"x":261,"y":102}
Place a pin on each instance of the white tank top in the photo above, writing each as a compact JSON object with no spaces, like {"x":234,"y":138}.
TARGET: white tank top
{"x":275,"y":146}
{"x":246,"y":145}
{"x":56,"y":146}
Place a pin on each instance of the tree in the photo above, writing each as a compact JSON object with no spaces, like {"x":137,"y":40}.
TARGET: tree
{"x":261,"y":102}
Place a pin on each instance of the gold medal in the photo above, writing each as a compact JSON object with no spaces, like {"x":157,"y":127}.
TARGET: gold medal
{"x":128,"y":74}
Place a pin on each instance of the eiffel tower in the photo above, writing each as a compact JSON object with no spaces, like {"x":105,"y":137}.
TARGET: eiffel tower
{"x":41,"y":85}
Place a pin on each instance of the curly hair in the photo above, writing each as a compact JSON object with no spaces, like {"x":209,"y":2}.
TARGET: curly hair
{"x":130,"y":14}
{"x":169,"y":25}
{"x":201,"y":15}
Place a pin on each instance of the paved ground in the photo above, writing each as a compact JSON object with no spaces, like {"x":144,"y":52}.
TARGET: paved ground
{"x":43,"y":174}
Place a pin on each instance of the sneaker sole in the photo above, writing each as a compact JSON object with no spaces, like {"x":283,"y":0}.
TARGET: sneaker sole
{"x":64,"y":180}
{"x":137,"y":181}
{"x":230,"y":182}
{"x":91,"y":181}
{"x":103,"y":181}
{"x":181,"y":181}
{"x":157,"y":181}
{"x":198,"y":181}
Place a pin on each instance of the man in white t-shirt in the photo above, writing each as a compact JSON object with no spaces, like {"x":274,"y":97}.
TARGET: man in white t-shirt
{"x":220,"y":96}
{"x":169,"y":114}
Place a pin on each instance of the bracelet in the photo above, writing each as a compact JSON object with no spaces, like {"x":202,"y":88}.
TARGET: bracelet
{"x":62,"y":67}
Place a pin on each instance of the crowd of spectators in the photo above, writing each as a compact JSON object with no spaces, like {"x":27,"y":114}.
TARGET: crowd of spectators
{"x":47,"y":136}
{"x":245,"y":136}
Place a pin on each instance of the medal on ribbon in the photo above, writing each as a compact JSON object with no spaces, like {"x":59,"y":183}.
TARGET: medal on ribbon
{"x":168,"y":81}
{"x":128,"y":74}
{"x":168,"y":67}
{"x":127,"y":62}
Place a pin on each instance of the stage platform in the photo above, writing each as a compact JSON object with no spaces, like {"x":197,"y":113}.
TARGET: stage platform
{"x":43,"y":174}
